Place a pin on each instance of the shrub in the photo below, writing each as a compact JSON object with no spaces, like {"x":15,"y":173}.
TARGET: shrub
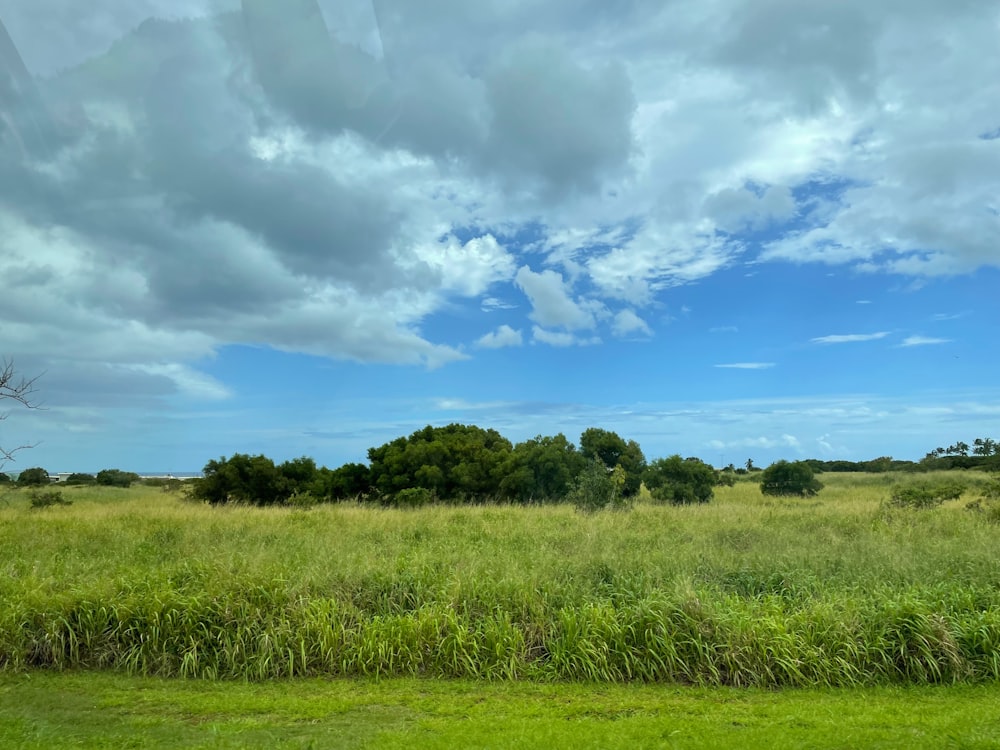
{"x":597,"y":487}
{"x":5,"y":478}
{"x":789,"y":478}
{"x":680,"y":481}
{"x":926,"y":494}
{"x":413,"y":497}
{"x":78,"y":478}
{"x":116,"y":478}
{"x":47,"y":498}
{"x":33,"y":477}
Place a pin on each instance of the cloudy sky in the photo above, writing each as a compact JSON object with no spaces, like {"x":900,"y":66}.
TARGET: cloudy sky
{"x":732,"y":228}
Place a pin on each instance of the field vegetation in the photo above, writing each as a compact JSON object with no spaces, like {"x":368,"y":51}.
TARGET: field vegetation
{"x":846,"y":588}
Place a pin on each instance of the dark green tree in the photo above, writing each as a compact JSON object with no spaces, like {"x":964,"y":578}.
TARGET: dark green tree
{"x":254,"y":480}
{"x":116,"y":478}
{"x":33,"y":477}
{"x":79,"y":478}
{"x":456,"y":462}
{"x":541,"y":469}
{"x":680,"y":481}
{"x":346,"y":482}
{"x":612,"y":450}
{"x":789,"y":478}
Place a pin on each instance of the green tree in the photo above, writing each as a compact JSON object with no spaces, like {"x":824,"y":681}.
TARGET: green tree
{"x":597,"y":487}
{"x":612,"y":450}
{"x":79,"y":478}
{"x":789,"y":478}
{"x":348,"y":481}
{"x":254,"y":480}
{"x":116,"y":478}
{"x":680,"y":481}
{"x":542,"y":469}
{"x":5,"y":478}
{"x":457,"y":462}
{"x":33,"y":477}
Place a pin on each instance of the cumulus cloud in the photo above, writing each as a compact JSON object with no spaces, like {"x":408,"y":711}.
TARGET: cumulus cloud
{"x":627,"y":323}
{"x":550,"y":300}
{"x":552,"y":338}
{"x":500,"y":338}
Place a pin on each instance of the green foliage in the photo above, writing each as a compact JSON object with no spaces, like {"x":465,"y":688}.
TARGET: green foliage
{"x":46,"y":498}
{"x":78,"y":478}
{"x":252,"y":480}
{"x":457,"y":462}
{"x":349,"y":481}
{"x":413,"y":497}
{"x":926,"y":494}
{"x":680,"y":481}
{"x":33,"y":477}
{"x":597,"y":488}
{"x":542,"y":469}
{"x":612,"y":450}
{"x":5,"y":478}
{"x":789,"y":478}
{"x":116,"y":478}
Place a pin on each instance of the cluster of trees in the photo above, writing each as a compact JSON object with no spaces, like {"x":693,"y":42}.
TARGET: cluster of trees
{"x":36,"y":476}
{"x":465,"y":463}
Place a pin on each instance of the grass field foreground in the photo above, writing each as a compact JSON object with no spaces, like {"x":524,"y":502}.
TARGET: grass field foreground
{"x":837,"y":590}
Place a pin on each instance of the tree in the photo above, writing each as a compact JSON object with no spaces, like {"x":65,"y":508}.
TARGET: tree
{"x":241,"y":479}
{"x":680,"y":481}
{"x":33,"y":477}
{"x":457,"y":462}
{"x":609,"y":448}
{"x":19,"y":390}
{"x":789,"y":478}
{"x":542,"y":469}
{"x":597,"y":487}
{"x":116,"y":478}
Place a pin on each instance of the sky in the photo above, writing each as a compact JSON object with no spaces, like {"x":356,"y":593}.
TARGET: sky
{"x":729,"y":229}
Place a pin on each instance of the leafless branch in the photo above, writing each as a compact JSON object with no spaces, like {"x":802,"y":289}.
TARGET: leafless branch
{"x":19,"y":389}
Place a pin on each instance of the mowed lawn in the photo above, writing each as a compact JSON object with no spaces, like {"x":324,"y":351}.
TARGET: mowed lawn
{"x":101,"y":710}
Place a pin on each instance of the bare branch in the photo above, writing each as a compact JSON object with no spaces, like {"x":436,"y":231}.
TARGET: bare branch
{"x":17,"y":389}
{"x":11,"y":387}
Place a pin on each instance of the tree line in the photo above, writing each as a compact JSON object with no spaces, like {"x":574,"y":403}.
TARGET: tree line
{"x":466,"y":464}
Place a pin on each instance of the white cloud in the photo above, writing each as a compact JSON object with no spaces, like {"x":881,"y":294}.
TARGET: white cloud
{"x":552,"y":338}
{"x":848,"y":338}
{"x":501,"y":337}
{"x":468,"y":269}
{"x":923,"y":341}
{"x":627,"y":323}
{"x":724,"y":329}
{"x":550,"y":300}
{"x":748,"y":365}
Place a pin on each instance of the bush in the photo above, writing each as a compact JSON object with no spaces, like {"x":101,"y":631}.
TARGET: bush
{"x":46,"y":498}
{"x":80,"y":479}
{"x":926,"y":494}
{"x":680,"y":481}
{"x":33,"y":477}
{"x":789,"y":478}
{"x":413,"y":497}
{"x":5,"y":478}
{"x":597,"y":488}
{"x":116,"y":478}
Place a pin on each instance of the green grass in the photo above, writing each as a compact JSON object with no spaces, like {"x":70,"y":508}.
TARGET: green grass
{"x":44,"y":710}
{"x":837,"y":590}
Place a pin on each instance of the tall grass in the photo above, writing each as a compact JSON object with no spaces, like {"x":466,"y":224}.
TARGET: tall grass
{"x":746,"y":590}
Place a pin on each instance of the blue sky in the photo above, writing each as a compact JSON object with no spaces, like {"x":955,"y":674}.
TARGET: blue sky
{"x":728,"y":229}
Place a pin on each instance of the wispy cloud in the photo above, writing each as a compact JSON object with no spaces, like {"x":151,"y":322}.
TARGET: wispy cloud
{"x":724,"y":329}
{"x":848,"y":338}
{"x":748,"y":365}
{"x":950,"y":316}
{"x":863,"y":302}
{"x":923,"y":341}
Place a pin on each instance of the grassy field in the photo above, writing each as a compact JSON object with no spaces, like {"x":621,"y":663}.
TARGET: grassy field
{"x":837,"y":590}
{"x":43,"y":710}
